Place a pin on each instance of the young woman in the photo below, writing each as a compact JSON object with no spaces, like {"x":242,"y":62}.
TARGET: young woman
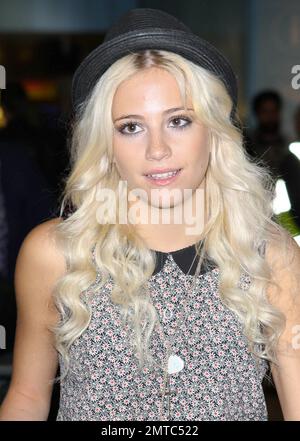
{"x":155,"y":319}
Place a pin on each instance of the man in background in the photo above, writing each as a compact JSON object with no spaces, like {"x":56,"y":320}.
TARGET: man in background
{"x":268,"y":144}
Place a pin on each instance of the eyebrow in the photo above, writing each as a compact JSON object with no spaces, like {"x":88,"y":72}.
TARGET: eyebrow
{"x":167,"y":111}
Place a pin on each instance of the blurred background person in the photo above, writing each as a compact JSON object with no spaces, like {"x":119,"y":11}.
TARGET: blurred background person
{"x":268,"y":143}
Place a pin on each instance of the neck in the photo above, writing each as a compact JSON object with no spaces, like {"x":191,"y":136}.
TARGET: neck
{"x":165,"y":235}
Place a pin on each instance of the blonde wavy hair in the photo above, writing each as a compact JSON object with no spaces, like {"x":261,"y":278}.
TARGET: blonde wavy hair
{"x":239,"y":191}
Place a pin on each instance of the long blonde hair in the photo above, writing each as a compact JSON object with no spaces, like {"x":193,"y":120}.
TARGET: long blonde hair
{"x":239,"y":191}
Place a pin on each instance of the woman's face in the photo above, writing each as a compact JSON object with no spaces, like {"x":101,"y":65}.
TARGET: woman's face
{"x":150,"y":134}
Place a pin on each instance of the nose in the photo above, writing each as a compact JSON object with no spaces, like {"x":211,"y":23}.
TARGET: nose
{"x":157,"y":147}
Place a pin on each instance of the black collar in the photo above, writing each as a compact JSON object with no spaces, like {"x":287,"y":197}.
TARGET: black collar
{"x":183,"y":258}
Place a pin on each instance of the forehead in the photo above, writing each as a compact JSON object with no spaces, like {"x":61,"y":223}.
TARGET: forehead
{"x":148,"y":88}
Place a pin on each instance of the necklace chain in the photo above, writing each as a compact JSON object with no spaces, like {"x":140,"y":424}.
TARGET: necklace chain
{"x":169,"y":348}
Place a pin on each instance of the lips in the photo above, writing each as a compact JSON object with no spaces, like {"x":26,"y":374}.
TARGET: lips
{"x":160,"y":180}
{"x":161,"y":171}
{"x":164,"y":175}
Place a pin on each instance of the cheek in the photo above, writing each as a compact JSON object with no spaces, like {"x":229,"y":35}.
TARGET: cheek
{"x":125,"y":159}
{"x":121,"y":154}
{"x":199,"y":161}
{"x":204,"y":159}
{"x":199,"y":154}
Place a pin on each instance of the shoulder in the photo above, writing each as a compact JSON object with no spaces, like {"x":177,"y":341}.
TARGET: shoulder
{"x":282,"y":253}
{"x":283,"y":257}
{"x":42,"y":235}
{"x":39,"y":254}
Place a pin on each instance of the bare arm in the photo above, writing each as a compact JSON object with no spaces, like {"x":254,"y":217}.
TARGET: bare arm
{"x":38,"y":266}
{"x":287,"y":375}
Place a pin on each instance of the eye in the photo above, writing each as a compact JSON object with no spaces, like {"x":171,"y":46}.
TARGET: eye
{"x":130,"y":125}
{"x":181,"y":118}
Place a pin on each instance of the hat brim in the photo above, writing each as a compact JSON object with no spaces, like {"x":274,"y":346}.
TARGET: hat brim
{"x":183,"y":43}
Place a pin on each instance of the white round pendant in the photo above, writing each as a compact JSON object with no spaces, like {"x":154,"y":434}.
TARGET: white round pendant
{"x":175,"y":364}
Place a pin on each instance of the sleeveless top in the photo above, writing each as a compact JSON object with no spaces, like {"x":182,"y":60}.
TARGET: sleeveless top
{"x":220,"y":379}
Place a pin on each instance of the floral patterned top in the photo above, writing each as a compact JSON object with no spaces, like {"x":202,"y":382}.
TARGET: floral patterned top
{"x":220,"y":379}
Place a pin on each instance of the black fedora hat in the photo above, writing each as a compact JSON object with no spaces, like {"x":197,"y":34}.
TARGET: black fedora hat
{"x":146,"y":28}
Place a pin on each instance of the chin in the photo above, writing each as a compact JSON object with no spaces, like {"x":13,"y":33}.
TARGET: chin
{"x":164,"y":203}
